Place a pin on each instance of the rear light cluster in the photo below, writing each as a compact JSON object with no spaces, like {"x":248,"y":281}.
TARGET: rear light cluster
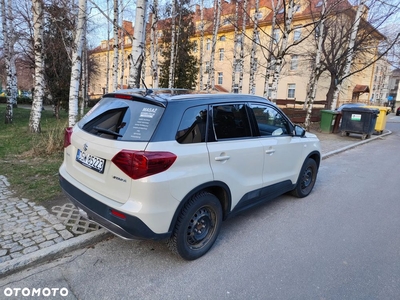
{"x":139,"y":164}
{"x":67,"y":136}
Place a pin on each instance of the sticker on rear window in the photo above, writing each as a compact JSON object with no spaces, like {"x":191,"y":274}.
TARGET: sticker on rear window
{"x":148,"y":112}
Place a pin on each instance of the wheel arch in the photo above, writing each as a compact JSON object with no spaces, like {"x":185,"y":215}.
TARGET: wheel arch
{"x":315,"y":155}
{"x":218,"y":188}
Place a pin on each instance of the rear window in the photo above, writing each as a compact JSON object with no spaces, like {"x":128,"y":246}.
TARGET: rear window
{"x":123,"y":120}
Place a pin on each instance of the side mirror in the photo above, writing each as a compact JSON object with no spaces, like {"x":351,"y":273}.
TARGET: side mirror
{"x":299,"y":131}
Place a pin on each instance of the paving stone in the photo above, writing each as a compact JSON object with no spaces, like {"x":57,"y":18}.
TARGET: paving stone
{"x":3,"y":252}
{"x":66,"y":234}
{"x":59,"y":227}
{"x":30,"y":249}
{"x":39,"y":239}
{"x":51,"y":236}
{"x":46,"y":244}
{"x":5,"y":258}
{"x":16,"y":248}
{"x":16,"y":255}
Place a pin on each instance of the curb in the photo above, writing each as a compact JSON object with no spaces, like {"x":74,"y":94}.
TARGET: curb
{"x":52,"y":252}
{"x":374,"y":137}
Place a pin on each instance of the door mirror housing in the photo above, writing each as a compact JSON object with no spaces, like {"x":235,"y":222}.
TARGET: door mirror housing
{"x":299,"y":131}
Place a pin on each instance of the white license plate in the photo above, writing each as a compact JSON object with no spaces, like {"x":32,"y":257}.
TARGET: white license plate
{"x":91,"y":161}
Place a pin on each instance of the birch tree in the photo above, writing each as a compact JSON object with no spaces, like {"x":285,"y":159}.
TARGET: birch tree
{"x":154,"y":44}
{"x":235,"y":43}
{"x":316,"y":71}
{"x":37,"y":103}
{"x":115,"y":46}
{"x":173,"y":46}
{"x":350,"y":51}
{"x":137,"y":55}
{"x":253,"y":64}
{"x":241,"y":55}
{"x":283,"y":45}
{"x":217,"y":16}
{"x":77,"y":64}
{"x":270,"y":50}
{"x":201,"y":46}
{"x":108,"y":52}
{"x":121,"y":79}
{"x":7,"y":56}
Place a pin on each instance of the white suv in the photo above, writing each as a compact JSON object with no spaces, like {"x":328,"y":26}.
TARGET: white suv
{"x":172,"y":164}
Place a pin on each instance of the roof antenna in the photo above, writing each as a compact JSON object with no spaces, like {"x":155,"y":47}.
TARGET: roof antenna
{"x":148,"y":92}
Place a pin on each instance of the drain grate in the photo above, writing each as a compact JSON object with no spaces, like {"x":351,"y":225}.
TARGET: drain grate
{"x":71,"y":218}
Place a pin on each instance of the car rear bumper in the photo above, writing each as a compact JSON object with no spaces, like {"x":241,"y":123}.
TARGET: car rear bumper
{"x":128,"y":228}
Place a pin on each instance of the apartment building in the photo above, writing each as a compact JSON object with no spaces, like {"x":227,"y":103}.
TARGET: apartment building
{"x":369,"y":85}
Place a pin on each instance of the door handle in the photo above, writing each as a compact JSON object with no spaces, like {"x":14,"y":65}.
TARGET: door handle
{"x":270,"y":151}
{"x":222,"y":158}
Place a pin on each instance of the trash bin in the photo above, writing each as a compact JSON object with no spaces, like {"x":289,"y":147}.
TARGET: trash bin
{"x":328,"y":120}
{"x":382,"y":118}
{"x":359,"y":120}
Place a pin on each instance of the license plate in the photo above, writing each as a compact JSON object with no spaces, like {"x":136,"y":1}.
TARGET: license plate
{"x":91,"y":161}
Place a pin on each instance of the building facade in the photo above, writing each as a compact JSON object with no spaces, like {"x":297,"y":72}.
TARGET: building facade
{"x":370,"y":85}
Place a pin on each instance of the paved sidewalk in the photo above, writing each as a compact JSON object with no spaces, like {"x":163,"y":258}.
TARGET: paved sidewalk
{"x":30,"y":234}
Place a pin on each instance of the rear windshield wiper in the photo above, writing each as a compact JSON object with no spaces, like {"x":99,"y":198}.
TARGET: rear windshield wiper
{"x":105,"y":130}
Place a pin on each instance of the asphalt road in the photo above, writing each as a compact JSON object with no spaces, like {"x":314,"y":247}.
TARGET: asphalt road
{"x":341,"y":242}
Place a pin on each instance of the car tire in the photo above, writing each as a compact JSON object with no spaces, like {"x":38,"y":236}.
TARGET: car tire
{"x":307,"y":178}
{"x":197,"y":226}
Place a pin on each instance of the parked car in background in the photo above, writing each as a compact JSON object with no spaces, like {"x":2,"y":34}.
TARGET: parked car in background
{"x":172,"y":164}
{"x":398,"y":111}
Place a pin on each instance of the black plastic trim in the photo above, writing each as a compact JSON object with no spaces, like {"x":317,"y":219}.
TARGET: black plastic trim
{"x":129,"y":228}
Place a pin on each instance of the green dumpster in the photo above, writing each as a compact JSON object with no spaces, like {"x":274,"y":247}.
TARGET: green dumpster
{"x":328,"y":120}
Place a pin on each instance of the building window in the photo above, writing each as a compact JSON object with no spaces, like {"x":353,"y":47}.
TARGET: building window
{"x":291,"y":91}
{"x":208,"y":44}
{"x":297,"y":34}
{"x":220,"y":77}
{"x":222,"y":38}
{"x":236,"y":88}
{"x":207,"y":66}
{"x":221,"y":54}
{"x":294,"y":62}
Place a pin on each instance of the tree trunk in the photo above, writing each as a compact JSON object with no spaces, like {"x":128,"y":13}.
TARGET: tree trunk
{"x":37,"y":103}
{"x":211,"y":74}
{"x":241,"y":55}
{"x":253,"y":64}
{"x":137,"y":54}
{"x":201,"y":49}
{"x":235,"y":43}
{"x":9,"y":109}
{"x":316,"y":72}
{"x":173,"y":42}
{"x":283,"y":48}
{"x":270,"y":55}
{"x":121,"y":77}
{"x":350,"y":53}
{"x":77,"y":64}
{"x":108,"y":52}
{"x":154,"y":44}
{"x":115,"y":46}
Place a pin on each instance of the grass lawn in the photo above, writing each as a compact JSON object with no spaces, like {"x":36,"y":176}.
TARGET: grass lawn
{"x":31,"y":161}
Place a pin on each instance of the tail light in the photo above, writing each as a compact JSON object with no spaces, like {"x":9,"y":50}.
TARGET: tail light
{"x":139,"y":164}
{"x":67,"y":136}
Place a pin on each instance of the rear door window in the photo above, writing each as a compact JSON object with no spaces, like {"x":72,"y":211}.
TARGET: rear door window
{"x":123,"y":120}
{"x":193,"y":126}
{"x":231,"y":121}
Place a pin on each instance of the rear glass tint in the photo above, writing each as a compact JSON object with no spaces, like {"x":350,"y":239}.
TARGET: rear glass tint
{"x":123,"y":120}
